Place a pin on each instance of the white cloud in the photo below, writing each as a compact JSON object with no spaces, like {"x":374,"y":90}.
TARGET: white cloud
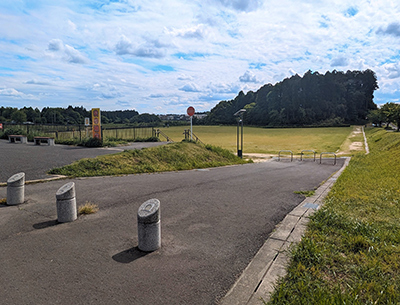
{"x":56,"y":45}
{"x":392,"y":29}
{"x":241,"y":5}
{"x":124,"y":46}
{"x":66,"y":52}
{"x":190,"y":87}
{"x":37,"y":82}
{"x":184,"y":77}
{"x":392,"y":70}
{"x":13,"y":93}
{"x":223,"y":88}
{"x":172,"y":52}
{"x":248,"y":77}
{"x":340,"y":61}
{"x":71,"y":25}
{"x":150,"y":49}
{"x":198,"y":32}
{"x":74,"y":56}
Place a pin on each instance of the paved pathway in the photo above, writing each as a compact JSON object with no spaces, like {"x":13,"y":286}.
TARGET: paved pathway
{"x":214,"y":221}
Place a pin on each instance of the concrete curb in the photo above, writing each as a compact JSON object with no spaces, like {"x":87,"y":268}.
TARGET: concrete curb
{"x":57,"y":177}
{"x":257,"y":281}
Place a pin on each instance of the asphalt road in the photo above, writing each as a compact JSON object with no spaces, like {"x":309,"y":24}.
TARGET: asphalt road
{"x":213,"y":222}
{"x":37,"y":160}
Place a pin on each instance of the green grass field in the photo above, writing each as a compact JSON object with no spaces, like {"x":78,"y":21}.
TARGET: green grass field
{"x":267,"y":140}
{"x":351,"y":251}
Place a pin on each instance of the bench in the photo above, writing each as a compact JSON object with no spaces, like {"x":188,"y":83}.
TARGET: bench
{"x":45,"y":140}
{"x":17,"y":139}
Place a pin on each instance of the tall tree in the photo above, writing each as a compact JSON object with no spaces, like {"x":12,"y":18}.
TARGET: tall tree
{"x":314,"y":99}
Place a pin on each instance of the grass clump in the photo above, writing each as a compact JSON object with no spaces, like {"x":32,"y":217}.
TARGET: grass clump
{"x":305,"y":193}
{"x":350,"y":253}
{"x":88,"y":208}
{"x":171,"y":157}
{"x":3,"y":201}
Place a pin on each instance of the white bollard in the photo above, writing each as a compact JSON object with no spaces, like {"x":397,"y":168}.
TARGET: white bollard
{"x":149,"y":226}
{"x":16,"y":189}
{"x":66,"y":203}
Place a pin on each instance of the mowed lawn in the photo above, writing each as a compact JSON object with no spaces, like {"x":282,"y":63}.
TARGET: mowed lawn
{"x":267,"y":140}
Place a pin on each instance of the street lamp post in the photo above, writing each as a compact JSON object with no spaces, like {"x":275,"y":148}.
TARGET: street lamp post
{"x":239,"y":115}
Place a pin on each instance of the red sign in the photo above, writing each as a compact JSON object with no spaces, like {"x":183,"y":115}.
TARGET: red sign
{"x":190,"y":111}
{"x":96,"y":126}
{"x":1,"y":125}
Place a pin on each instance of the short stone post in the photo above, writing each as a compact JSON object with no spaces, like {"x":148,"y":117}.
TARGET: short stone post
{"x":16,"y":189}
{"x":66,"y":203}
{"x":149,"y":226}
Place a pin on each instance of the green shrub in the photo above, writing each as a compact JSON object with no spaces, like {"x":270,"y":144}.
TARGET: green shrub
{"x":92,"y":142}
{"x":149,"y":139}
{"x":12,"y":131}
{"x":73,"y":141}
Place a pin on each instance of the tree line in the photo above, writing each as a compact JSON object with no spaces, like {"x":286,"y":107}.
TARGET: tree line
{"x":386,"y":114}
{"x":329,"y":99}
{"x":74,"y":116}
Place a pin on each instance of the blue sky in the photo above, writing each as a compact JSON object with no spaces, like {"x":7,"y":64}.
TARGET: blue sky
{"x":163,"y":56}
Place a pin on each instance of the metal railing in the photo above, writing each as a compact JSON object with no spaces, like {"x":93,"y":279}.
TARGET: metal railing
{"x":289,"y":151}
{"x":327,"y":153}
{"x":308,"y":151}
{"x":159,"y":132}
{"x":194,"y":137}
{"x":303,"y":151}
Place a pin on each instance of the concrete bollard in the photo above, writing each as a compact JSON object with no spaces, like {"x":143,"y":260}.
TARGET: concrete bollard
{"x":149,"y":226}
{"x":66,"y":203}
{"x":16,"y":189}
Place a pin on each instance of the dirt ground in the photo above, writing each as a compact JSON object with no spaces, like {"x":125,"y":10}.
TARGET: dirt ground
{"x":353,"y":143}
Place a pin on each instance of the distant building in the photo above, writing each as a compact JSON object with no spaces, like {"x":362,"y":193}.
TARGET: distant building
{"x":180,"y":117}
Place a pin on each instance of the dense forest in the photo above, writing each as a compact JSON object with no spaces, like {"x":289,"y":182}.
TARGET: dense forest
{"x":330,"y":99}
{"x":73,"y":115}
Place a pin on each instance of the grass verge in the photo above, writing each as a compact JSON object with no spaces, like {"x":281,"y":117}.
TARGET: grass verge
{"x":171,"y":157}
{"x":305,"y":193}
{"x":350,"y":253}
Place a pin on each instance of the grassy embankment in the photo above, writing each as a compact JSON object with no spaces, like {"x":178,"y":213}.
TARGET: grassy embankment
{"x":351,"y":251}
{"x":171,"y":157}
{"x":268,"y":140}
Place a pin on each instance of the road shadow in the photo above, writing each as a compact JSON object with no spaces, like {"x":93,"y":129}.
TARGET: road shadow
{"x":128,"y":256}
{"x":45,"y":224}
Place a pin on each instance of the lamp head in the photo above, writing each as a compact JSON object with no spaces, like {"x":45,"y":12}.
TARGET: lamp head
{"x":240,"y":112}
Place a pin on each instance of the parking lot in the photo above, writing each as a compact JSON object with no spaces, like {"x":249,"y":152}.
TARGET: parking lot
{"x":213,"y":222}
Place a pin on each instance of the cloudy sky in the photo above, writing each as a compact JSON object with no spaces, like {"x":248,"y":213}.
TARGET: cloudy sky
{"x":162,"y":56}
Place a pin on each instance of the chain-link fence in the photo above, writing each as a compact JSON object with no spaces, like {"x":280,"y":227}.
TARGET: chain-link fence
{"x":65,"y":132}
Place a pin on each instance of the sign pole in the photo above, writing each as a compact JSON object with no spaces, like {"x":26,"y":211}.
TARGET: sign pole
{"x":190,"y":112}
{"x":191,"y":128}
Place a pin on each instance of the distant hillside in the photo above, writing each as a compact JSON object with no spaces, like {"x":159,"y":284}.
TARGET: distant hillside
{"x":329,"y":99}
